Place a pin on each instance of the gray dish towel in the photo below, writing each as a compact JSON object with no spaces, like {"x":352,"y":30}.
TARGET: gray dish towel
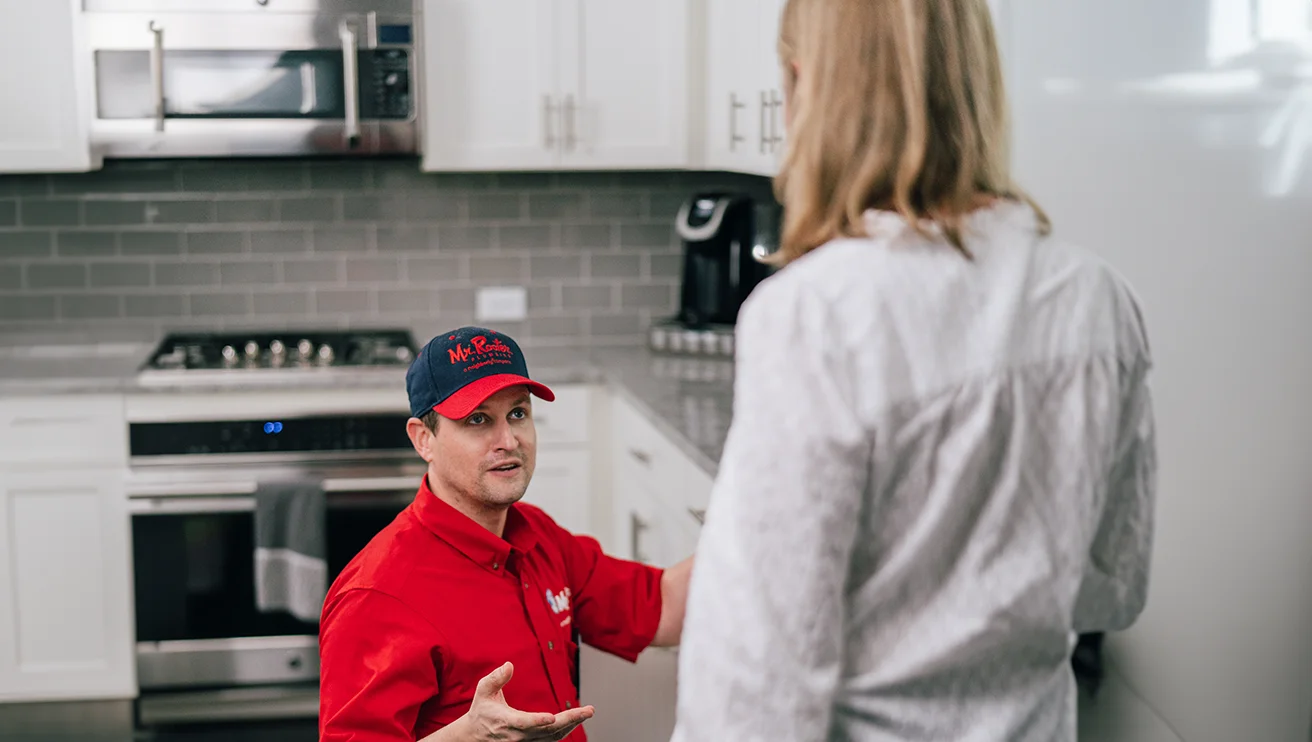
{"x":291,"y":553}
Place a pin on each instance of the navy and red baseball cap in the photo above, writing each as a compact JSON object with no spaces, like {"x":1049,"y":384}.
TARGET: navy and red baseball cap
{"x":460,"y":369}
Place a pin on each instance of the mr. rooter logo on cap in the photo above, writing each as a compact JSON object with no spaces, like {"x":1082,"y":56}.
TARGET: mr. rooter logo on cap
{"x":480,"y":352}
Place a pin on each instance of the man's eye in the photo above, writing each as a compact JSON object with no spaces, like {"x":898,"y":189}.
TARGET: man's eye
{"x":477,"y":418}
{"x":519,"y":413}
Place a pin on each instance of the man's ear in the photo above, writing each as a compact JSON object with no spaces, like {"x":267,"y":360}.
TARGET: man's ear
{"x":420,"y":437}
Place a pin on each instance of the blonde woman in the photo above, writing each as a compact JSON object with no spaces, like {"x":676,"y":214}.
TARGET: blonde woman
{"x":941,"y":467}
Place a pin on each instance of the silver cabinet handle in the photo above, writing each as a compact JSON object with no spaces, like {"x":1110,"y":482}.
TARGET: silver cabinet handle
{"x":699,"y":514}
{"x":636,"y":527}
{"x":571,"y":112}
{"x":157,"y":73}
{"x":642,"y":456}
{"x":734,"y":105}
{"x":776,"y":108}
{"x":351,"y":83}
{"x":548,"y":114}
{"x":765,"y":107}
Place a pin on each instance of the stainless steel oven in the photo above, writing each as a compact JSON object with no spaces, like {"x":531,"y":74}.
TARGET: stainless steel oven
{"x":212,"y":78}
{"x":201,"y":447}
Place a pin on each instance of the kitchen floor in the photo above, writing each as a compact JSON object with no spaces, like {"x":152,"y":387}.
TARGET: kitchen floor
{"x":112,"y":721}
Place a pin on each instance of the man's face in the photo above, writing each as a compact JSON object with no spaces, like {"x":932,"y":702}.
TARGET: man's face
{"x":487,"y":458}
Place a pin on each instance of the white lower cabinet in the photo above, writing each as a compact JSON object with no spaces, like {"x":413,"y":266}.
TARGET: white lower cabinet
{"x":65,"y":586}
{"x":655,"y":488}
{"x":561,"y":485}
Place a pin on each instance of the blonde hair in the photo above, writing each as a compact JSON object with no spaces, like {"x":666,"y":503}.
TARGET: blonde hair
{"x":895,"y":104}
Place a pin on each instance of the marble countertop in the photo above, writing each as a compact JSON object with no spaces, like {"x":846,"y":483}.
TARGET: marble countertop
{"x":689,"y":398}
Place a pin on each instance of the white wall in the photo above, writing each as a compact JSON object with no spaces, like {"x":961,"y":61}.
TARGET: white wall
{"x":1199,"y":188}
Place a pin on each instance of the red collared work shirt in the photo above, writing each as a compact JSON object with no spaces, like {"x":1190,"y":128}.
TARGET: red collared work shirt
{"x":435,"y":602}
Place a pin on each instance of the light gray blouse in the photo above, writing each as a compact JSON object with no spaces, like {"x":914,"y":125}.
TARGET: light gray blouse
{"x":938,"y":471}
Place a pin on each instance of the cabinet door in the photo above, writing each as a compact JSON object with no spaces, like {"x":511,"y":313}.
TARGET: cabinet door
{"x":561,"y":487}
{"x":635,"y":702}
{"x":767,"y":90}
{"x":624,"y":78}
{"x":65,"y":584}
{"x":489,"y":97}
{"x":45,"y":79}
{"x":732,"y":129}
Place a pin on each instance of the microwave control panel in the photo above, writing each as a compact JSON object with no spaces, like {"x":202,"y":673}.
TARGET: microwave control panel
{"x":386,"y":73}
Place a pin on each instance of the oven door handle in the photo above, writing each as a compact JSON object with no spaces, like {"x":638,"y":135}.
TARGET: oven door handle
{"x":237,"y":497}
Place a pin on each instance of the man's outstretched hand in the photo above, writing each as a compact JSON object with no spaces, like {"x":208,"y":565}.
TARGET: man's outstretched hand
{"x":490,"y":719}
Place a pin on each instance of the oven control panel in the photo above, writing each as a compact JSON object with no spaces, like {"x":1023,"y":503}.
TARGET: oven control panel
{"x":333,"y":433}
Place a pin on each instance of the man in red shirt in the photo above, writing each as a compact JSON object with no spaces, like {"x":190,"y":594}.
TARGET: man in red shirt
{"x":459,"y":620}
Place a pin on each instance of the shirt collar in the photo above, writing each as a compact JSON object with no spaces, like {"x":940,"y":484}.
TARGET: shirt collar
{"x":470,"y":538}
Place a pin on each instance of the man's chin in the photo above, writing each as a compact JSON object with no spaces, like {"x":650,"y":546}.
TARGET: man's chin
{"x":504,"y":493}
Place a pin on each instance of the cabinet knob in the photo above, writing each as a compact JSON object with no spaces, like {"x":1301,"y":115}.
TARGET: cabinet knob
{"x":641,"y":456}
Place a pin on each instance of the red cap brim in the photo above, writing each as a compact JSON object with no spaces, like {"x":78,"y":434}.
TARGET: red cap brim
{"x":467,"y":399}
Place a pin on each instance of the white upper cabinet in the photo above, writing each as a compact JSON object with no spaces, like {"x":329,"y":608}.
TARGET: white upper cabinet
{"x":625,"y":83}
{"x":45,"y":75}
{"x":556,"y":84}
{"x":744,"y":93}
{"x":489,"y":85}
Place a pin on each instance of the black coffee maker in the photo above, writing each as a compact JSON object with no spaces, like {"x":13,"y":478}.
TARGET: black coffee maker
{"x":723,"y":236}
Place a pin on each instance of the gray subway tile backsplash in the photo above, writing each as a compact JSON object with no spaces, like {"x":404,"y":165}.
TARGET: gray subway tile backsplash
{"x":90,"y":306}
{"x":85,"y":244}
{"x":218,"y":243}
{"x":181,"y":212}
{"x":280,"y":303}
{"x":248,"y":273}
{"x":586,"y":297}
{"x":111,"y":275}
{"x":55,"y":276}
{"x":308,"y":209}
{"x":245,"y":212}
{"x":186,"y":274}
{"x":312,"y":270}
{"x":341,"y":301}
{"x":230,"y":304}
{"x":97,"y":213}
{"x":192,"y":244}
{"x":150,"y":243}
{"x":26,"y":244}
{"x":40,"y":212}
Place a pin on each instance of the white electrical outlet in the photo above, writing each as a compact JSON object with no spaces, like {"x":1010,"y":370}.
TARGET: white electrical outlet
{"x":501,"y":304}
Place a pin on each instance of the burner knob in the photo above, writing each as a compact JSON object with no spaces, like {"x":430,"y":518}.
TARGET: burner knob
{"x":326,"y":353}
{"x":403,"y":354}
{"x":229,"y":354}
{"x":304,"y":348}
{"x":252,"y":349}
{"x":277,"y":348}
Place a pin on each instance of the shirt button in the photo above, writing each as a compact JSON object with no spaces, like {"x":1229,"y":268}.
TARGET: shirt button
{"x":569,"y":705}
{"x":496,"y":565}
{"x":551,"y":645}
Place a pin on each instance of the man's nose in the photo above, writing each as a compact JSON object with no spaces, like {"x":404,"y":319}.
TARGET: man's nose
{"x":505,"y":438}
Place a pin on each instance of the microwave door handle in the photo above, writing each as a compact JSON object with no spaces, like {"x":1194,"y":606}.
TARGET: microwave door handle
{"x":157,"y":73}
{"x":309,"y":92}
{"x":351,"y":82}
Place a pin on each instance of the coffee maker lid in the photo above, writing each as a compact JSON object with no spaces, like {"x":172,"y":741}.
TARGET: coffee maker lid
{"x":700,"y":217}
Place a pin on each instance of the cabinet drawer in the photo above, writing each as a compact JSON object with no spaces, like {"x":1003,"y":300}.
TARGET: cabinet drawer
{"x":69,"y":430}
{"x":566,"y":420}
{"x":642,"y":448}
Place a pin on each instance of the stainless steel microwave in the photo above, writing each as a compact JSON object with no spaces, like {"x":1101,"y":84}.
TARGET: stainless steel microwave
{"x":250,"y":78}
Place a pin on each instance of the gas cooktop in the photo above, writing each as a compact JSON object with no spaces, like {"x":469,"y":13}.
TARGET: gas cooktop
{"x":238,"y":355}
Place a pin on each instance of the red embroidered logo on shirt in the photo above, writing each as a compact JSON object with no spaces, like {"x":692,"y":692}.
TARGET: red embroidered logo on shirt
{"x":558,"y":602}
